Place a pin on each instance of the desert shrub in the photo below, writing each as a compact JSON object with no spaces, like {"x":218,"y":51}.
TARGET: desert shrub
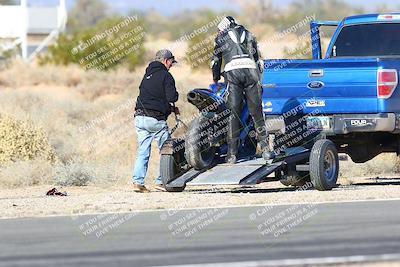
{"x":73,"y":173}
{"x":26,"y":173}
{"x":200,"y":51}
{"x":201,"y":44}
{"x":6,"y":56}
{"x":184,"y":22}
{"x":384,"y":164}
{"x":20,"y":140}
{"x":101,"y":47}
{"x":116,"y":82}
{"x":18,"y":74}
{"x":302,"y":51}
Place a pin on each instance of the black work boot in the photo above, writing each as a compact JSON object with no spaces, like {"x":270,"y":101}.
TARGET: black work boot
{"x":231,"y":157}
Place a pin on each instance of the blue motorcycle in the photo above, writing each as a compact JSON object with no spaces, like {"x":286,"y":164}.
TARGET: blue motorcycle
{"x":205,"y":142}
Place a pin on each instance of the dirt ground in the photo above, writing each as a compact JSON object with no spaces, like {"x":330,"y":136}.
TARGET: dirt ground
{"x":32,"y":202}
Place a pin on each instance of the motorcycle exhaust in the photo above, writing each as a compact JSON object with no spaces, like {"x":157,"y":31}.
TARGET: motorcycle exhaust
{"x":206,"y":101}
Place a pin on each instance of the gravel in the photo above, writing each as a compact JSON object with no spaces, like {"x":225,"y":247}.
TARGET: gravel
{"x":32,"y":202}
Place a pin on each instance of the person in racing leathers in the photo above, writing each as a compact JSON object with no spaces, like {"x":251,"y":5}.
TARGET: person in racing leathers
{"x":237,"y":47}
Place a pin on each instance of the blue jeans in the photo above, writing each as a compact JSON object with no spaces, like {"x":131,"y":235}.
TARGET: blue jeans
{"x":147,"y":129}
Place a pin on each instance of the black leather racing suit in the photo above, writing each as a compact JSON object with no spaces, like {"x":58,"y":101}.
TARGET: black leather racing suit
{"x":238,"y":49}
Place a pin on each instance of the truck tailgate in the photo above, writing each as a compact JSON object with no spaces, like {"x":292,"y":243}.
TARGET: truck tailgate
{"x":328,"y":86}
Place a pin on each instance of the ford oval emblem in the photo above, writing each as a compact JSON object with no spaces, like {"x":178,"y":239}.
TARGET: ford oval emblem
{"x":315,"y":85}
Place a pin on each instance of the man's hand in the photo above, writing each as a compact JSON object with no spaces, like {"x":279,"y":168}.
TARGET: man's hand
{"x":175,"y":110}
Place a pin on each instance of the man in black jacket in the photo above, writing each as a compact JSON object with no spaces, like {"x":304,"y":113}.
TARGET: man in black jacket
{"x":157,"y":91}
{"x":237,"y":47}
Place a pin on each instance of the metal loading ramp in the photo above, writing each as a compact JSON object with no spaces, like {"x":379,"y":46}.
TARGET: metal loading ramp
{"x":229,"y":173}
{"x":244,"y":172}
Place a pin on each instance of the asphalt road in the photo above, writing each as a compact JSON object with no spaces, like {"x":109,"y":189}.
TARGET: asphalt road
{"x":249,"y":236}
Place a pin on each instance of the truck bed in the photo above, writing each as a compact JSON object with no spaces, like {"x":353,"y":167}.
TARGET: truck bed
{"x":327,"y":86}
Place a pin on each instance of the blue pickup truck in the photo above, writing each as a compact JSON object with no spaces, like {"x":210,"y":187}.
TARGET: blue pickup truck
{"x":350,"y":95}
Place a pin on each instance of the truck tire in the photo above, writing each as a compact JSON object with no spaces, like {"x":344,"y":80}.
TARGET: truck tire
{"x":199,"y":153}
{"x":324,"y":165}
{"x":168,"y":172}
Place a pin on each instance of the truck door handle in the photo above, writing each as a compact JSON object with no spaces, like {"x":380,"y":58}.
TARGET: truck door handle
{"x":316,"y":73}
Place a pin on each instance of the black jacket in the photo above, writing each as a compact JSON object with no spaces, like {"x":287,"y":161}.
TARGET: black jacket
{"x":235,"y":45}
{"x":157,"y":90}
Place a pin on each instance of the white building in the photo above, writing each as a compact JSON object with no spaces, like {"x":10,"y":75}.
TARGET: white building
{"x":32,"y":28}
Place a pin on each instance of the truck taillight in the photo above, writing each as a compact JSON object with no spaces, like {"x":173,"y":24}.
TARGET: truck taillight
{"x":389,"y":17}
{"x":387,"y":82}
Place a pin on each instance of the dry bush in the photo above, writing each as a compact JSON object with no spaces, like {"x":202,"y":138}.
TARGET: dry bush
{"x":88,"y":84}
{"x":384,"y":164}
{"x":19,"y":74}
{"x":57,"y":113}
{"x":73,"y":173}
{"x":83,"y":172}
{"x":26,"y":173}
{"x":120,"y":81}
{"x":20,"y":140}
{"x":262,"y":31}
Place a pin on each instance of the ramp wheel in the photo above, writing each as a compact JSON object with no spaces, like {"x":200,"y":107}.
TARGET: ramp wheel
{"x":324,"y":165}
{"x":199,"y":153}
{"x":168,"y":172}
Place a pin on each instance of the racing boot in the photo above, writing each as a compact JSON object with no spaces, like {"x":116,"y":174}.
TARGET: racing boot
{"x":267,"y":154}
{"x":231,"y":157}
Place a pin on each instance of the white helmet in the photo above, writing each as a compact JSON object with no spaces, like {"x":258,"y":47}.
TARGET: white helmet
{"x":226,"y":23}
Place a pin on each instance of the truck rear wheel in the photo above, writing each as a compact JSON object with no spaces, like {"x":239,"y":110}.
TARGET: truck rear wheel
{"x":168,"y":171}
{"x":324,"y":165}
{"x":199,"y":153}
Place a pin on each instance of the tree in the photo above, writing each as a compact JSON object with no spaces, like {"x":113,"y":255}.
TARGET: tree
{"x":8,"y":2}
{"x":86,"y":14}
{"x":91,"y":50}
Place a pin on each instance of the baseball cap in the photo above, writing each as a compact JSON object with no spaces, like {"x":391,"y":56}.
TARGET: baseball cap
{"x":165,"y":54}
